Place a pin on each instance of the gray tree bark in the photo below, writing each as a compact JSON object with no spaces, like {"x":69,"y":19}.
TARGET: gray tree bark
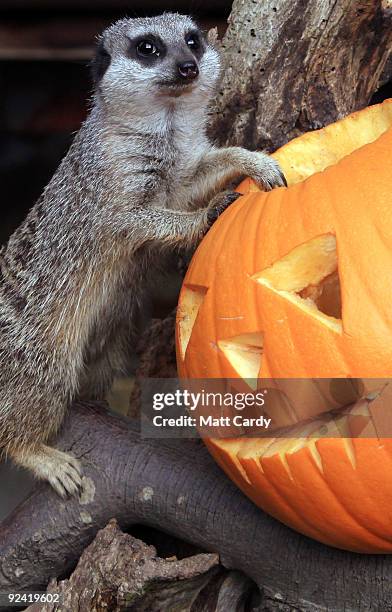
{"x":116,"y":571}
{"x":294,"y":65}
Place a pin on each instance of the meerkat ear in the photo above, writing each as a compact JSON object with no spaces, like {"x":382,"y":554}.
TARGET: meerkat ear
{"x":100,"y":62}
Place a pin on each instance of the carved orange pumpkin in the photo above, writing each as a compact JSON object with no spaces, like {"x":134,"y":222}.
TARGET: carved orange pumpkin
{"x":298,"y":283}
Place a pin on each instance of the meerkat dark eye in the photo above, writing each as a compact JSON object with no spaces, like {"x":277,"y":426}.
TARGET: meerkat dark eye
{"x":193,"y":41}
{"x":146,"y":48}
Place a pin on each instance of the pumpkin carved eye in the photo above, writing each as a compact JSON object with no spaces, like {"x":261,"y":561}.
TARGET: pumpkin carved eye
{"x":308,"y":277}
{"x":191,"y":300}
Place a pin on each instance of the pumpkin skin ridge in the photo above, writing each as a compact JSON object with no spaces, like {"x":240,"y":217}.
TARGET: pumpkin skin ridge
{"x":339,"y":239}
{"x":259,"y":290}
{"x":291,"y":457}
{"x":221,"y":356}
{"x":240,"y":209}
{"x":301,"y":524}
{"x":382,"y":241}
{"x":308,"y":528}
{"x":213,"y":232}
{"x":222,"y":359}
{"x":252,"y":290}
{"x":255,"y":297}
{"x":331,"y":230}
{"x":387,"y":540}
{"x":371,"y":309}
{"x":236,"y":207}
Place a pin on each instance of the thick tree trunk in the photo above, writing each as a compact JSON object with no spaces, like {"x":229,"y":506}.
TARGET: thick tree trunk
{"x":293,"y":66}
{"x":175,"y":486}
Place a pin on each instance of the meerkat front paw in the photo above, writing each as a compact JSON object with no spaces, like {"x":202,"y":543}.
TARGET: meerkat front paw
{"x":65,"y":474}
{"x":266,"y":172}
{"x":219,"y":204}
{"x":61,"y":470}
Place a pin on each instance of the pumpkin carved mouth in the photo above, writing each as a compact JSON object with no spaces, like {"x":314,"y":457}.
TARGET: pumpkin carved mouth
{"x":329,"y":478}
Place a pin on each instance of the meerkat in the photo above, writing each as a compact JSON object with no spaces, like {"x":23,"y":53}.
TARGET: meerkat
{"x":140,"y":174}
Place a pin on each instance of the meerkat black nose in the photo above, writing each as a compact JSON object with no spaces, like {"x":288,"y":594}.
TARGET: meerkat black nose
{"x":188,"y":70}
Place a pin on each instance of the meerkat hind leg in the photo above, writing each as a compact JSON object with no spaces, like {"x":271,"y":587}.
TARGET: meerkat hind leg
{"x":60,"y":469}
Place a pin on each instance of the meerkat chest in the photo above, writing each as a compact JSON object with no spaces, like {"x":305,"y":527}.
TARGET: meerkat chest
{"x":186,"y":158}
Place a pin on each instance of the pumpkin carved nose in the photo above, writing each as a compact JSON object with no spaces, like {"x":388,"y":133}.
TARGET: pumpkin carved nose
{"x":188,"y":70}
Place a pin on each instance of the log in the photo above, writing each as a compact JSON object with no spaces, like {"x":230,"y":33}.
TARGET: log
{"x":175,"y":486}
{"x":293,"y":66}
{"x":117,"y":570}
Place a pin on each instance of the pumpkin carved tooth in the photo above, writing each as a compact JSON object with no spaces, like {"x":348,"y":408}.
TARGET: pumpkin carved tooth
{"x":316,"y":455}
{"x":350,"y":451}
{"x":307,"y":276}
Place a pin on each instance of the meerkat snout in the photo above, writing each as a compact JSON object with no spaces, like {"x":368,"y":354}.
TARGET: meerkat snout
{"x":188,"y":70}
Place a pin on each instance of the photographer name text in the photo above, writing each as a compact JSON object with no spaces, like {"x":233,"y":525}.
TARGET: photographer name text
{"x":237,"y":420}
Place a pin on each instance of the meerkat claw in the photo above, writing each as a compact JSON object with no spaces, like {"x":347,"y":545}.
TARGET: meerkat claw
{"x":67,"y":477}
{"x":284,"y":181}
{"x":219,"y":204}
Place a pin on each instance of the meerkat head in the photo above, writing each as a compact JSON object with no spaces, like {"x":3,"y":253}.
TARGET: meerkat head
{"x":143,"y":62}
